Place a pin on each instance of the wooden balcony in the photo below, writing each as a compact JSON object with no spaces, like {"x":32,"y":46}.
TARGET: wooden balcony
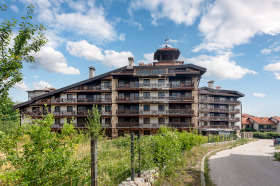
{"x":221,"y":110}
{"x":154,"y":125}
{"x":154,"y":86}
{"x":218,"y":127}
{"x":90,"y":88}
{"x":173,"y":112}
{"x":59,"y":126}
{"x":219,"y":101}
{"x":65,"y":113}
{"x":155,"y":99}
{"x":63,"y":101}
{"x":218,"y":118}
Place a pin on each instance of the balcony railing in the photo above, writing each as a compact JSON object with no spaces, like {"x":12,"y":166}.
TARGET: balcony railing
{"x":65,"y":113}
{"x":93,"y":87}
{"x":79,"y":125}
{"x":149,"y":99}
{"x":154,"y":85}
{"x":153,"y":125}
{"x":218,"y":110}
{"x":219,"y":101}
{"x":74,"y":100}
{"x":218,"y":118}
{"x":156,"y":112}
{"x":218,"y":126}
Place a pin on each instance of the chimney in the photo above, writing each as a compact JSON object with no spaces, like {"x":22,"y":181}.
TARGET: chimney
{"x":131,"y":61}
{"x":211,"y":84}
{"x":91,"y":72}
{"x":218,"y":87}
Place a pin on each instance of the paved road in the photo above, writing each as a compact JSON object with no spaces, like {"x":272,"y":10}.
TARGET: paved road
{"x":246,"y":165}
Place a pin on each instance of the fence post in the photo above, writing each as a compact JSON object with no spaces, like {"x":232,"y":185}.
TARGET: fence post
{"x":208,"y":138}
{"x":93,"y":148}
{"x":212,"y":138}
{"x":132,"y":157}
{"x":139,"y":155}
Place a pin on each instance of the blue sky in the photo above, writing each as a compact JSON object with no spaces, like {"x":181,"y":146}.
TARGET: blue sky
{"x":237,"y":41}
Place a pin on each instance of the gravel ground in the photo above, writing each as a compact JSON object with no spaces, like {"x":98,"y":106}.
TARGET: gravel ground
{"x":246,"y":165}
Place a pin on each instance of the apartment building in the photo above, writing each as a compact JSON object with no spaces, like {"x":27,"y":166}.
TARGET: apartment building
{"x":261,"y":124}
{"x":134,"y":98}
{"x":219,"y":110}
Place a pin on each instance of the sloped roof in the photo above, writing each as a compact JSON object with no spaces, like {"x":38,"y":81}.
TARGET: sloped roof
{"x":246,"y":121}
{"x":263,"y":120}
{"x":246,"y":116}
{"x":220,"y":92}
{"x":276,"y":117}
{"x":201,"y":69}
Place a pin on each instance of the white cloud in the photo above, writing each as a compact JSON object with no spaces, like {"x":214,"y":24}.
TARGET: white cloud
{"x":149,"y":57}
{"x":134,"y":23}
{"x":53,"y":61}
{"x":229,"y":23}
{"x":14,"y":8}
{"x":277,"y":75}
{"x":41,"y":85}
{"x":220,"y":66}
{"x":35,"y":76}
{"x":266,"y":51}
{"x":122,"y":37}
{"x":274,"y":47}
{"x":179,"y":11}
{"x":272,"y":67}
{"x":84,"y":49}
{"x":261,"y":95}
{"x":116,"y":59}
{"x":83,"y":18}
{"x":22,"y":86}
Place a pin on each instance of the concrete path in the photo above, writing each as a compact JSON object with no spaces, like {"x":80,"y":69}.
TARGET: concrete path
{"x":246,"y":165}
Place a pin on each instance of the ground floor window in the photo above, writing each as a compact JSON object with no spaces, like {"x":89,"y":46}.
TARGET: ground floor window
{"x":147,"y":132}
{"x":120,"y":133}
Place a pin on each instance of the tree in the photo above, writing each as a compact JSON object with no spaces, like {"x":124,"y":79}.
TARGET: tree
{"x":93,"y":124}
{"x":29,"y":39}
{"x":8,"y":116}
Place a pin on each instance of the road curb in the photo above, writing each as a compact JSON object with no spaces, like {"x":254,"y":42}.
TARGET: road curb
{"x":202,"y":178}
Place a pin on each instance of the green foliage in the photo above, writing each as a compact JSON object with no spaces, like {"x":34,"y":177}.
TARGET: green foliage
{"x":248,"y":130}
{"x":266,"y":135}
{"x":35,"y":155}
{"x":277,"y":156}
{"x":8,"y":116}
{"x":93,"y":123}
{"x":29,"y":39}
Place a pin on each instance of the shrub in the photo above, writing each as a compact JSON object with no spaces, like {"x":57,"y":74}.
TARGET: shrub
{"x":266,"y":135}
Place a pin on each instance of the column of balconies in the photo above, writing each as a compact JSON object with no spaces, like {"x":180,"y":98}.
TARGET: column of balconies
{"x":218,"y":101}
{"x":218,"y":118}
{"x":221,"y":110}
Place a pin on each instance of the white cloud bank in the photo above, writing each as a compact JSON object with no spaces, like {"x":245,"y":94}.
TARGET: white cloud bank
{"x":41,"y":85}
{"x":229,"y":23}
{"x":220,"y":66}
{"x":53,"y":61}
{"x":273,"y":67}
{"x":261,"y":95}
{"x":116,"y":59}
{"x":22,"y":86}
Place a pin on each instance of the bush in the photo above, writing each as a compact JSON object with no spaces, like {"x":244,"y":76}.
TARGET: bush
{"x":266,"y":135}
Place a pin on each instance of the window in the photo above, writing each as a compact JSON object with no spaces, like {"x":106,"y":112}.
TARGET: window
{"x":146,"y":107}
{"x":161,"y":107}
{"x":268,"y":126}
{"x":121,"y":95}
{"x":107,"y":120}
{"x":146,"y":82}
{"x":107,"y":96}
{"x":161,"y":81}
{"x":69,"y":96}
{"x":160,"y":94}
{"x":82,"y":108}
{"x":57,"y":96}
{"x":107,"y":108}
{"x":146,"y":132}
{"x":205,"y":123}
{"x":69,"y":120}
{"x":35,"y":109}
{"x":176,"y":94}
{"x":146,"y":94}
{"x":57,"y":108}
{"x":134,"y":107}
{"x":81,"y":96}
{"x":175,"y":83}
{"x":261,"y":126}
{"x":134,"y":83}
{"x":57,"y":120}
{"x":134,"y":95}
{"x":188,"y":82}
{"x":161,"y":120}
{"x":107,"y":84}
{"x":69,"y":108}
{"x":146,"y":120}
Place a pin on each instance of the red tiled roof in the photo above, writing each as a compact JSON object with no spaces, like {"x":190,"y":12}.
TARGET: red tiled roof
{"x":263,"y":120}
{"x":277,"y":118}
{"x":245,"y":121}
{"x":246,"y":115}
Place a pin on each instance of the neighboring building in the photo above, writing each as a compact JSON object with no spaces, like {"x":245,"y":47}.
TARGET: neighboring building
{"x":261,"y":124}
{"x":35,"y":93}
{"x":133,"y":98}
{"x":219,"y":110}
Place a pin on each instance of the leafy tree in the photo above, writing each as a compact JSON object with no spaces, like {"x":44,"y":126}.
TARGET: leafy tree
{"x":14,"y":51}
{"x":8,"y":116}
{"x":93,"y":123}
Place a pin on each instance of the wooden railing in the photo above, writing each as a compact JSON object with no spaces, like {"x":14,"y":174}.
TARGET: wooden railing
{"x":218,"y":126}
{"x":92,"y":87}
{"x":65,"y":113}
{"x":218,"y":110}
{"x":79,"y":125}
{"x":74,"y":100}
{"x":156,"y":112}
{"x":148,"y":99}
{"x":218,"y":101}
{"x":218,"y":118}
{"x":155,"y":85}
{"x":153,"y":125}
